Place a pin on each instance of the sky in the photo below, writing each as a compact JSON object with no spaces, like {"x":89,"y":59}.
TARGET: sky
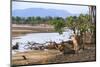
{"x":73,"y":9}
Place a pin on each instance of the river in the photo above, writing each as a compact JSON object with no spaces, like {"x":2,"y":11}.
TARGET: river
{"x":41,"y":38}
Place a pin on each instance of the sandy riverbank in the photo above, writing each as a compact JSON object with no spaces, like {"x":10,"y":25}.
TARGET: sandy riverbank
{"x":53,"y":56}
{"x":21,"y":29}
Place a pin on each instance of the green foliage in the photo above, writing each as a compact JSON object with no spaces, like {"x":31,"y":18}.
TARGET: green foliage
{"x":18,"y":19}
{"x":84,"y":23}
{"x":81,"y":23}
{"x":71,"y":22}
{"x":58,"y":24}
{"x":31,"y":20}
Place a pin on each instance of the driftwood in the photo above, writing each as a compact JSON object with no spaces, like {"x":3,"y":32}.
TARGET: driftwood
{"x":63,"y":46}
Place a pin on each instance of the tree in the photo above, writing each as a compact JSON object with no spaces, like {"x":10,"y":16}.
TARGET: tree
{"x":18,"y":19}
{"x":71,"y":22}
{"x":92,"y":13}
{"x":58,"y":24}
{"x":80,"y":23}
{"x":13,"y":19}
{"x":38,"y":19}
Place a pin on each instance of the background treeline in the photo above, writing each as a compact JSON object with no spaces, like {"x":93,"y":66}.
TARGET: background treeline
{"x":81,"y":22}
{"x":32,"y":20}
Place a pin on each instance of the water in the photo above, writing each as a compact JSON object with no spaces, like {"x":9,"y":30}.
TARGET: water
{"x":41,"y":38}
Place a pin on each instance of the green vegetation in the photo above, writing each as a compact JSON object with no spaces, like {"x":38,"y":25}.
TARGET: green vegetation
{"x":30,"y":20}
{"x":58,"y":24}
{"x":81,"y":23}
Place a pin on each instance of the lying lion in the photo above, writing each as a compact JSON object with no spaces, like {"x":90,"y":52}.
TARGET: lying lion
{"x":64,"y":47}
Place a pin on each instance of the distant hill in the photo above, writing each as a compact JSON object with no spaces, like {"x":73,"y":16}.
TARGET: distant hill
{"x":40,"y":12}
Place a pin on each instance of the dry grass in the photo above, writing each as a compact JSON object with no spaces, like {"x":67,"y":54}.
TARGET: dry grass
{"x":34,"y":57}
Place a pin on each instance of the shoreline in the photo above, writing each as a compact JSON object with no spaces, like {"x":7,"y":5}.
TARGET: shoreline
{"x":18,"y":30}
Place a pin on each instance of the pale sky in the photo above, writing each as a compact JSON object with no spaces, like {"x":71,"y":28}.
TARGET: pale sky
{"x":74,"y":9}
